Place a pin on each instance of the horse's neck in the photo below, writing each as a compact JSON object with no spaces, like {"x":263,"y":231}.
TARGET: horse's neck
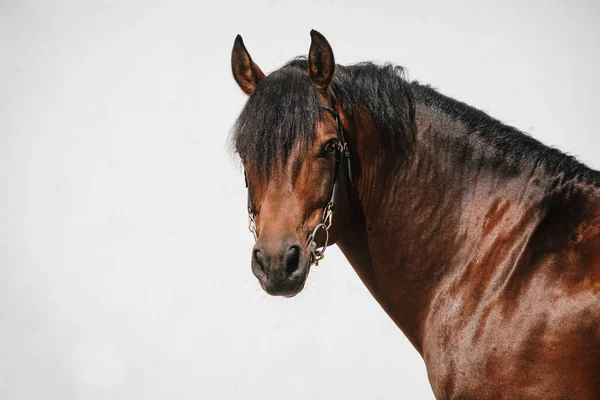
{"x":417,"y":228}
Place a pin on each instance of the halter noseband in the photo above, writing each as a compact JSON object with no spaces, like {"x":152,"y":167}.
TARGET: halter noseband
{"x":318,"y":253}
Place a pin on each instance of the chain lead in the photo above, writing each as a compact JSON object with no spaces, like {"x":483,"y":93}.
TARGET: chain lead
{"x":252,"y":224}
{"x":317,"y":254}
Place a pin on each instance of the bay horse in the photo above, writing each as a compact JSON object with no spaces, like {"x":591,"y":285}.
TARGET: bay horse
{"x":481,"y":243}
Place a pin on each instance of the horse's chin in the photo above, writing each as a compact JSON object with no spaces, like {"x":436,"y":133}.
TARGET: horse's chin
{"x":292,"y":294}
{"x":287,"y":291}
{"x":289,"y":288}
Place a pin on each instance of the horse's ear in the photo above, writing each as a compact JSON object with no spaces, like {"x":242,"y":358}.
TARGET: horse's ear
{"x":321,"y":64}
{"x":245,"y":71}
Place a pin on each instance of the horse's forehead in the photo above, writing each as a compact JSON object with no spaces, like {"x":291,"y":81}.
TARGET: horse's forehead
{"x":280,"y":171}
{"x":285,"y":175}
{"x":288,"y":171}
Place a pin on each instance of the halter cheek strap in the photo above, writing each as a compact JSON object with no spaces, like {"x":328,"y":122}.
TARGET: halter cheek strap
{"x":318,"y":253}
{"x":345,"y":153}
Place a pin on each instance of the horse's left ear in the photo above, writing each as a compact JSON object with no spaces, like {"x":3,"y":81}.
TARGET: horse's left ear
{"x":321,"y":64}
{"x":245,"y":71}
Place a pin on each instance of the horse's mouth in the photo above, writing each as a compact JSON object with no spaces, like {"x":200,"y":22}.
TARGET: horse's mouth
{"x":293,"y":293}
{"x":288,"y":287}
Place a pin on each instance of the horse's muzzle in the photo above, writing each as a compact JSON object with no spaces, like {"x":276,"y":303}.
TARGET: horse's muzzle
{"x":281,"y":267}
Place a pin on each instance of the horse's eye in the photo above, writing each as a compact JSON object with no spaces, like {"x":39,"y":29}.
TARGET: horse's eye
{"x":330,"y":148}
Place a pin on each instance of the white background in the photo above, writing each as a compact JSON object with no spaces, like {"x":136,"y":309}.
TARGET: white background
{"x":124,"y":257}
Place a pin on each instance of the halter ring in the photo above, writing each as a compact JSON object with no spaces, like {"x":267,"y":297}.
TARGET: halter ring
{"x":317,"y":254}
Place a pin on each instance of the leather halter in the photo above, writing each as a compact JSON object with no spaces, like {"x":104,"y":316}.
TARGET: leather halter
{"x":318,"y":253}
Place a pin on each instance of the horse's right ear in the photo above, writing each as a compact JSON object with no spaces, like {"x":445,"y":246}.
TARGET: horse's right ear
{"x":245,"y":72}
{"x":321,"y":64}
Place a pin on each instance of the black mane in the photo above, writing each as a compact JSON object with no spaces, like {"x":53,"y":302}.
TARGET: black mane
{"x":280,"y":114}
{"x":283,"y":111}
{"x":510,"y":146}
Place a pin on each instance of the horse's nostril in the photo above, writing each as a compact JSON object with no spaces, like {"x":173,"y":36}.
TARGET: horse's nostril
{"x":292,"y":259}
{"x":259,"y":260}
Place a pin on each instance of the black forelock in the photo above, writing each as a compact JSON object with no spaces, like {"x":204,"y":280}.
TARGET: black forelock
{"x":280,"y":115}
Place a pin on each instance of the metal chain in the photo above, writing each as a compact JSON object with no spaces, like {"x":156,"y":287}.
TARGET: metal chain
{"x":252,"y":224}
{"x":317,"y":254}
